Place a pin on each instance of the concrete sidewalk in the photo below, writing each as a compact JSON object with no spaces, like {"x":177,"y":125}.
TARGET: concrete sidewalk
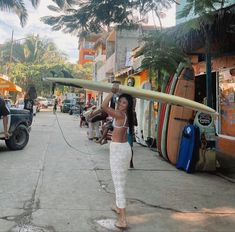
{"x":61,"y":182}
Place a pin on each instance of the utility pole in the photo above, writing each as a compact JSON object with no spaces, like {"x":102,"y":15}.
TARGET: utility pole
{"x":11,"y":52}
{"x":12,"y":42}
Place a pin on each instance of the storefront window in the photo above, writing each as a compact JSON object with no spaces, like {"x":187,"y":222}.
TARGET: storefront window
{"x":226,"y":102}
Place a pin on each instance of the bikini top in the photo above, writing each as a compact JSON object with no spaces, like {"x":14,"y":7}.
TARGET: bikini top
{"x":123,"y":126}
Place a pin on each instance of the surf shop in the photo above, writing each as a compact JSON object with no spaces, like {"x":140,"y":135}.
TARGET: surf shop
{"x":212,"y":82}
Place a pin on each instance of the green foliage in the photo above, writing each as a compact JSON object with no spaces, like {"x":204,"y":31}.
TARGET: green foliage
{"x":34,"y":59}
{"x":33,"y":50}
{"x":200,"y":8}
{"x":161,"y":52}
{"x":98,"y":15}
{"x":25,"y":75}
{"x":161,"y":56}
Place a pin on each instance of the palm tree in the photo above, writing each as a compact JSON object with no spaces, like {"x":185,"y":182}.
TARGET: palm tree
{"x":160,"y":55}
{"x":34,"y":50}
{"x":205,"y":12}
{"x":17,"y":7}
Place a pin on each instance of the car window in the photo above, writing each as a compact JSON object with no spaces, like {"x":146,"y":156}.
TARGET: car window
{"x":67,"y":101}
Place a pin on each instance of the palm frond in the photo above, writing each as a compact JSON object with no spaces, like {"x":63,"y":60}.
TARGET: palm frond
{"x":17,"y":7}
{"x":35,"y":3}
{"x":54,"y":8}
{"x":96,"y":15}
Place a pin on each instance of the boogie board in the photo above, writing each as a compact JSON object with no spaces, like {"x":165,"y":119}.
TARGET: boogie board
{"x":138,"y":93}
{"x":179,"y":116}
{"x":185,"y":159}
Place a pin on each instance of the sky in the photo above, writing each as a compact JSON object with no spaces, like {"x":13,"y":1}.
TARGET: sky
{"x":65,"y":42}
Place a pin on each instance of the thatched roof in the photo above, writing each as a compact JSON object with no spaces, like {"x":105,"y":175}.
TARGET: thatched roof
{"x":220,"y":28}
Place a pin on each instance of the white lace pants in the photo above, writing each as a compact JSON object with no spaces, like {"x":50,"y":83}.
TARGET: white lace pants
{"x":120,"y":156}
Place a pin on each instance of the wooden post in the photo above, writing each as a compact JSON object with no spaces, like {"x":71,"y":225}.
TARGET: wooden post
{"x":208,"y":79}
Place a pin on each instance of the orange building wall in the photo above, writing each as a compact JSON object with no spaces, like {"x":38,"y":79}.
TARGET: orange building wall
{"x":224,"y":146}
{"x":82,"y":53}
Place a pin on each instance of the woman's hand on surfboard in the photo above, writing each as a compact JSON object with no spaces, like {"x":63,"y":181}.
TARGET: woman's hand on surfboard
{"x":115,"y":88}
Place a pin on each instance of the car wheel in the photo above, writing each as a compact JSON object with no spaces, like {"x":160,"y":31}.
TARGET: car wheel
{"x":19,"y":138}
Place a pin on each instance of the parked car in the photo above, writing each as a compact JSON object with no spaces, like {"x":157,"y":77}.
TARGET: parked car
{"x":75,"y":109}
{"x":43,"y":102}
{"x":50,"y":101}
{"x":67,"y":105}
{"x":20,"y":105}
{"x":19,"y":125}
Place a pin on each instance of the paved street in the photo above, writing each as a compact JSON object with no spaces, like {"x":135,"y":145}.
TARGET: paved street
{"x":61,"y":182}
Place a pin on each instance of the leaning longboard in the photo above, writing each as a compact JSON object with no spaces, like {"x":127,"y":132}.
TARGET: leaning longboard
{"x":161,"y":118}
{"x":180,"y":116}
{"x":141,"y":105}
{"x":138,"y":93}
{"x":167,"y":111}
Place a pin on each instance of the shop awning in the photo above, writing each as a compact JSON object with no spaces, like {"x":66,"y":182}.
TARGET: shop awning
{"x":6,"y":85}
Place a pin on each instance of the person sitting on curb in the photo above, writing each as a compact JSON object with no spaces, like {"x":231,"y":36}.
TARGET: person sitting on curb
{"x":108,"y":126}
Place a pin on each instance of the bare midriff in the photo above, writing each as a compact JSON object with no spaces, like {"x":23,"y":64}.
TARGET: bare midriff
{"x":119,"y":135}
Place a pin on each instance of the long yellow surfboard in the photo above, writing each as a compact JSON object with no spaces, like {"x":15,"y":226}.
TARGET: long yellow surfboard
{"x":138,"y":93}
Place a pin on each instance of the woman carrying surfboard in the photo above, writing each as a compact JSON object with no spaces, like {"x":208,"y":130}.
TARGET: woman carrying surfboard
{"x":120,"y":150}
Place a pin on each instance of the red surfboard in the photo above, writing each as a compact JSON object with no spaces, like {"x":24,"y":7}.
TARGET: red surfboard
{"x":162,"y":115}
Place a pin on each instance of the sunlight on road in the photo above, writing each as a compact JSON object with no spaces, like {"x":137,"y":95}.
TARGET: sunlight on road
{"x":205,"y":213}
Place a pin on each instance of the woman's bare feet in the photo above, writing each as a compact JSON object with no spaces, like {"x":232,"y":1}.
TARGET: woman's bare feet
{"x":121,"y":223}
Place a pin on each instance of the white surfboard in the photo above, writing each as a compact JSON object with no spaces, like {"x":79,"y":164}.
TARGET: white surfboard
{"x":138,"y":93}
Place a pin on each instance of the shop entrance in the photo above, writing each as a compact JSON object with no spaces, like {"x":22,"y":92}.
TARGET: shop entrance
{"x":200,"y":89}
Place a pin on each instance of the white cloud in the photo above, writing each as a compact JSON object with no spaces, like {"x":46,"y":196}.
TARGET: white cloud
{"x":167,"y":21}
{"x":4,"y":34}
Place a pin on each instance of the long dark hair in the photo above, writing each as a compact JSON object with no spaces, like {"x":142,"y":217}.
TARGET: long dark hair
{"x":130,"y":111}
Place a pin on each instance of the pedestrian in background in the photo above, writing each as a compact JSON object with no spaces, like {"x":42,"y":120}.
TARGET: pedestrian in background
{"x":120,"y":150}
{"x":55,"y":106}
{"x":28,"y":104}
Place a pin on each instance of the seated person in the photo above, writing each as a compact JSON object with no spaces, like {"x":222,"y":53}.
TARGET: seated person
{"x":108,"y":126}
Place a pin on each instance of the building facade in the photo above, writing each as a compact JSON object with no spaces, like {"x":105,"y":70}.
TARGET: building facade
{"x":222,"y":67}
{"x":114,"y":54}
{"x":86,"y":49}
